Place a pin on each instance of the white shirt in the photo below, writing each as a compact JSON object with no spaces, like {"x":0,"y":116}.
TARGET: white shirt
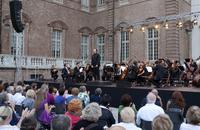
{"x":148,"y":112}
{"x":185,"y":126}
{"x":128,"y":126}
{"x":18,"y":98}
{"x":8,"y":127}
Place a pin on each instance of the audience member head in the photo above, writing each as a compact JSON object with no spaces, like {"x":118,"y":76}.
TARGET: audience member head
{"x":82,"y":89}
{"x":193,"y":115}
{"x":151,"y":98}
{"x":5,"y":115}
{"x":1,"y":88}
{"x":19,"y":89}
{"x":178,"y":99}
{"x":44,"y":88}
{"x":155,"y":92}
{"x":127,"y":115}
{"x":75,"y":91}
{"x":98,"y":91}
{"x":75,"y":106}
{"x":61,"y":91}
{"x":5,"y":85}
{"x":29,"y":123}
{"x":116,"y":128}
{"x":3,"y":98}
{"x":31,"y":94}
{"x":10,"y":90}
{"x":20,"y":83}
{"x":105,"y":100}
{"x":69,"y":90}
{"x":61,"y":122}
{"x":34,"y":86}
{"x":91,"y":112}
{"x":51,"y":89}
{"x":162,"y":122}
{"x":126,"y":100}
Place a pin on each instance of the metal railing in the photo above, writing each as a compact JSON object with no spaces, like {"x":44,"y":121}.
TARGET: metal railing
{"x":32,"y":62}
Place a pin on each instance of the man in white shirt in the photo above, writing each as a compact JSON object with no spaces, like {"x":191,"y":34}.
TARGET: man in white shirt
{"x":18,"y":97}
{"x":150,"y":110}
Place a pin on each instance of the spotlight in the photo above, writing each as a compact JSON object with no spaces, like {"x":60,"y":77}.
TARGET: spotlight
{"x":179,"y":24}
{"x":156,"y":26}
{"x":143,"y":29}
{"x":195,"y":22}
{"x":166,"y":25}
{"x":131,"y":29}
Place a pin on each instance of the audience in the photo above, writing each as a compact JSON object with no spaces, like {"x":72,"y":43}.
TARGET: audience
{"x":96,"y":97}
{"x":75,"y":92}
{"x":61,"y":122}
{"x":89,"y":118}
{"x":192,"y":118}
{"x":18,"y":97}
{"x":29,"y":123}
{"x":128,"y":119}
{"x":74,"y":111}
{"x":116,"y":128}
{"x":175,"y":108}
{"x":149,"y":111}
{"x":94,"y":116}
{"x":126,"y":101}
{"x":107,"y":119}
{"x":83,"y":95}
{"x":162,"y":122}
{"x":158,"y":98}
{"x":29,"y":101}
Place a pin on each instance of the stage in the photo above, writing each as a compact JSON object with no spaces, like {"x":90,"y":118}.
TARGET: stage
{"x":191,"y":94}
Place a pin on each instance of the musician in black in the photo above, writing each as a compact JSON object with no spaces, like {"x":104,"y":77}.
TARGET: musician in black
{"x":96,"y":64}
{"x":65,"y":72}
{"x":54,"y":72}
{"x":78,"y":73}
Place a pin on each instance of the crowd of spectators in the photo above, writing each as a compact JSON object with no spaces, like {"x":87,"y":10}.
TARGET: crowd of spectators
{"x":32,"y":107}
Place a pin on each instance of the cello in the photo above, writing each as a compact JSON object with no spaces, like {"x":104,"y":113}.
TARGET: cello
{"x":125,"y":71}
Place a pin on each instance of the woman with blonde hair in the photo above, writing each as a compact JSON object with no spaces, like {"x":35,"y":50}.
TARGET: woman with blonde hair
{"x":29,"y":101}
{"x":162,"y":122}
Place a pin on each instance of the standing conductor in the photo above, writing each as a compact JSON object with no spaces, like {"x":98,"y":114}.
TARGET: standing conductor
{"x":96,"y":64}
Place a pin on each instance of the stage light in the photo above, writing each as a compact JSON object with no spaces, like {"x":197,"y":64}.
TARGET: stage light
{"x":143,"y":29}
{"x":156,"y":26}
{"x":130,"y":29}
{"x":180,"y":24}
{"x":166,"y":25}
{"x":195,"y":22}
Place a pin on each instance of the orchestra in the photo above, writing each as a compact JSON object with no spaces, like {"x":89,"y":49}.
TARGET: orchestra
{"x":162,"y":72}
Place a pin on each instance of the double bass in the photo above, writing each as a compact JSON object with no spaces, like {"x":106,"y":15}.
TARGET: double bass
{"x":125,"y":71}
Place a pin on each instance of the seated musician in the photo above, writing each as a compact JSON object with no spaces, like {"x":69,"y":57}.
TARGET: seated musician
{"x":117,"y":71}
{"x":132,"y":72}
{"x":89,"y":73}
{"x":78,"y":73}
{"x":54,"y":72}
{"x":142,"y":73}
{"x":65,"y":72}
{"x":107,"y":72}
{"x":159,"y":73}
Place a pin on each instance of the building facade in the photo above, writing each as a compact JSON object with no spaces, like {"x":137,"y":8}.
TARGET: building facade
{"x":66,"y":31}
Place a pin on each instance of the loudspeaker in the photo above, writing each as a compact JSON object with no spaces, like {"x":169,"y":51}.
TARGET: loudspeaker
{"x":15,"y":13}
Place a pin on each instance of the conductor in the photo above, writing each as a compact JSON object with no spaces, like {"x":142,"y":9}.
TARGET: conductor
{"x":95,"y":64}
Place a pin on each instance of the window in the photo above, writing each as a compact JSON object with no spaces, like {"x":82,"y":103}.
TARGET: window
{"x":85,"y":47}
{"x":123,"y":2}
{"x":152,"y":44}
{"x":100,"y":45}
{"x":124,"y":45}
{"x":58,"y":1}
{"x":100,"y":2}
{"x":17,"y":43}
{"x":56,"y":43}
{"x":85,"y":5}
